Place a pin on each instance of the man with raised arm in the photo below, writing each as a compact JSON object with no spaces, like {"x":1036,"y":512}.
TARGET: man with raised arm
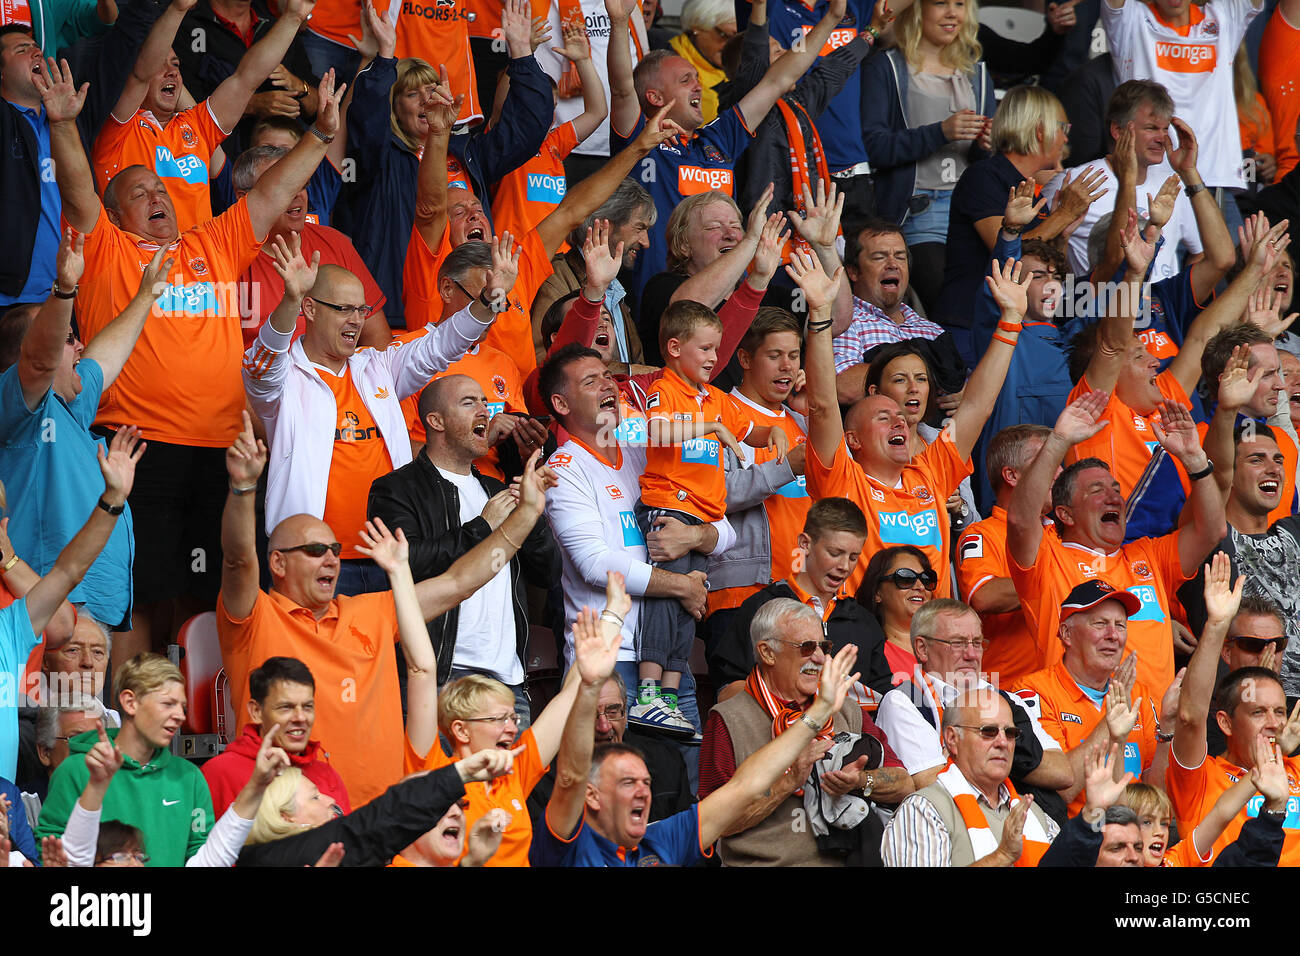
{"x":865,"y":457}
{"x":50,"y":387}
{"x":181,"y":383}
{"x":346,"y":641}
{"x":598,"y":811}
{"x":1088,"y":538}
{"x":1247,"y":703}
{"x":149,"y":128}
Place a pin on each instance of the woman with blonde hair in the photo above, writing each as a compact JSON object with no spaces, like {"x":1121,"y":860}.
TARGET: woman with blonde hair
{"x":927,"y":122}
{"x":707,"y":25}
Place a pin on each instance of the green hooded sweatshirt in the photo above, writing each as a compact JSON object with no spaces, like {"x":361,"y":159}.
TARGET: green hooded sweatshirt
{"x":167,"y":799}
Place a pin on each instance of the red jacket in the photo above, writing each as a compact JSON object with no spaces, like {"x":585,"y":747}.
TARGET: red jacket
{"x":228,"y":771}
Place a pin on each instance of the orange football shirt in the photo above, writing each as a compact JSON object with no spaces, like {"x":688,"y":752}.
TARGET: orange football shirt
{"x":1194,"y":792}
{"x":982,"y":557}
{"x":529,"y":194}
{"x":360,"y":457}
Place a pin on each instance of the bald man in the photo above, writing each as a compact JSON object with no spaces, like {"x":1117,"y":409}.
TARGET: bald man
{"x":332,"y":411}
{"x":445,"y":506}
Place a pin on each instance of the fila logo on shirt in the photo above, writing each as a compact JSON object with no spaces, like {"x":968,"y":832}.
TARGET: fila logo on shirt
{"x":1071,"y":718}
{"x":971,"y":546}
{"x":1186,"y":57}
{"x":699,"y":179}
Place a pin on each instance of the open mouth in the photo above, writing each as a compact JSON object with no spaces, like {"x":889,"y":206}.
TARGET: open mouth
{"x":916,"y":599}
{"x":784,"y":384}
{"x":325,"y":581}
{"x":912,"y":405}
{"x":694,"y":102}
{"x":1270,"y":488}
{"x":481,"y":429}
{"x":158,"y":216}
{"x":297,"y":736}
{"x":638,"y":814}
{"x":350,"y":335}
{"x":602,"y":340}
{"x":898,"y":441}
{"x":811,"y":669}
{"x":477,"y":234}
{"x":1110,"y":517}
{"x":1157,"y":847}
{"x":892,"y":283}
{"x":295,"y":212}
{"x":609,"y":403}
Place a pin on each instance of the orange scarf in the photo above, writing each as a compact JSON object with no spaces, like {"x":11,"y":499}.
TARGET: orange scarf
{"x":783,"y":715}
{"x":799,"y":172}
{"x":1035,"y":841}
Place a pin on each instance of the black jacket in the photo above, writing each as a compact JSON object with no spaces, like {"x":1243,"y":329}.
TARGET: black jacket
{"x":732,"y":656}
{"x":20,"y":196}
{"x":426,"y":506}
{"x":371,"y":835}
{"x":1258,"y":844}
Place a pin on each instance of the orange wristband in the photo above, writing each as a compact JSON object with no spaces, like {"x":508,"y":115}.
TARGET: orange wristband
{"x":1008,"y":327}
{"x":1003,"y":339}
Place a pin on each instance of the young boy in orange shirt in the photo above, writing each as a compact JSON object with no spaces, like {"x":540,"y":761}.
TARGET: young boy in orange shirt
{"x":684,"y":479}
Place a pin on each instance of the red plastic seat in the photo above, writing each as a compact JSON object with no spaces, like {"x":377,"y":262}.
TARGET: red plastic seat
{"x":200,"y":665}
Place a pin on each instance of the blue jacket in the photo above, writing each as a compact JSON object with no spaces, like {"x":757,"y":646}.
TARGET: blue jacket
{"x":1037,"y":385}
{"x":20,"y":832}
{"x":378,"y":208}
{"x":892,"y":143}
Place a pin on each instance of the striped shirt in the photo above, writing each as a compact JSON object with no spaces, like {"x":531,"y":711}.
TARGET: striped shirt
{"x":918,"y":836}
{"x":871,"y":327}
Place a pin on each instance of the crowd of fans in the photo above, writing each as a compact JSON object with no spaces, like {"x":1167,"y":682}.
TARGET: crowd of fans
{"x":887,"y":428}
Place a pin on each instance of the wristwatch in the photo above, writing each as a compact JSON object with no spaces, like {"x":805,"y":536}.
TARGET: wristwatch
{"x":55,"y":291}
{"x":869,"y":783}
{"x":114,"y":510}
{"x":1193,"y":190}
{"x":330,"y":138}
{"x":1277,"y":816}
{"x":491,"y":305}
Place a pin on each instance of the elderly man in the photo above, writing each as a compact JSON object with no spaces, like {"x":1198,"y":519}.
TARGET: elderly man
{"x":597,"y":815}
{"x":180,"y":384}
{"x":346,"y":641}
{"x":948,"y":642}
{"x":1121,"y":838}
{"x":445,"y":506}
{"x":631,"y":214}
{"x":281,"y":694}
{"x":781,"y":827}
{"x":876,"y":261}
{"x":262,"y":287}
{"x":1089,"y":698}
{"x":322,"y":379}
{"x":1088,"y":542}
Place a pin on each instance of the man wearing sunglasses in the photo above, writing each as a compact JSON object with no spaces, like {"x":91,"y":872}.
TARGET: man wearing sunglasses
{"x":949,"y":644}
{"x":790,"y":651}
{"x":298,"y":387}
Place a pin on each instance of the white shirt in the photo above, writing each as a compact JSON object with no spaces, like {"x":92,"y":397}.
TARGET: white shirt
{"x":1180,"y":228}
{"x":1196,"y":69}
{"x":485,"y":625}
{"x":916,"y":742}
{"x":590,"y":512}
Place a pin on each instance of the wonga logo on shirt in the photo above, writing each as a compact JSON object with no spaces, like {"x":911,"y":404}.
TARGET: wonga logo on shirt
{"x":189,"y":168}
{"x":700,"y":451}
{"x":794,"y":489}
{"x":697,"y":179}
{"x":899,"y":527}
{"x":632,"y":537}
{"x":1150,"y":609}
{"x":1186,"y":57}
{"x":544,"y":188}
{"x":193,"y":299}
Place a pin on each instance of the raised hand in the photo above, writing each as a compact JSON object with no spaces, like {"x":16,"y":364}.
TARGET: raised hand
{"x":70,"y":263}
{"x":1176,"y":432}
{"x":658,"y":129}
{"x":1138,"y":250}
{"x":767,"y":256}
{"x":1103,"y":783}
{"x":1076,"y":196}
{"x":1012,"y":843}
{"x":1269,"y":244}
{"x":1009,"y":283}
{"x":819,"y":289}
{"x":299,"y":9}
{"x":1237,"y":385}
{"x":485,"y":835}
{"x":1289,"y":738}
{"x":298,"y":274}
{"x":61,"y":97}
{"x":819,"y":224}
{"x":539,"y":33}
{"x":1269,"y":660}
{"x":1021,"y":208}
{"x":1269,"y":773}
{"x":597,"y":637}
{"x":621,"y":9}
{"x":1081,"y":419}
{"x":1121,"y":714}
{"x":1169,"y":703}
{"x":1182,"y":159}
{"x":387,"y":549}
{"x":616,"y":596}
{"x":1124,"y":156}
{"x":1126,"y":674}
{"x":882,"y":16}
{"x":442,"y":109}
{"x":118,"y":467}
{"x":602,"y":262}
{"x":1061,"y":17}
{"x":333,"y":856}
{"x":576,"y":48}
{"x":103,"y":759}
{"x":52,"y":852}
{"x":1161,"y":207}
{"x":1221,"y":600}
{"x":328,"y":100}
{"x":378,"y":35}
{"x":517,"y":27}
{"x":488,"y":764}
{"x":1265,"y":310}
{"x":837,"y":677}
{"x":271,"y":760}
{"x":246,"y":458}
{"x":533,"y":484}
{"x":505,"y":269}
{"x":758,"y":216}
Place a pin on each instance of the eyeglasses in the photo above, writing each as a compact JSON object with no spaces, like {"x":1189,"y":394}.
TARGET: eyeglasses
{"x":314,"y":549}
{"x":1064,"y":127}
{"x":991,"y":731}
{"x":806,"y":648}
{"x":361,"y":310}
{"x":612,"y":712}
{"x":1256,"y":645}
{"x":502,"y":719}
{"x":905,"y":579}
{"x":125,"y":858}
{"x":962,"y":643}
{"x":463,"y":803}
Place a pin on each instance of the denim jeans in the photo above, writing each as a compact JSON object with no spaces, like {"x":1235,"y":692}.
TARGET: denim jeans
{"x":930,"y":225}
{"x":360,"y":576}
{"x":323,"y":54}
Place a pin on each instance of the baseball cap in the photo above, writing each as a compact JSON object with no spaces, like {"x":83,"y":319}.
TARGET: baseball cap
{"x":1089,"y":594}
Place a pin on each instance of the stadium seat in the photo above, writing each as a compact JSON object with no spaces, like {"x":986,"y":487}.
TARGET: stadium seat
{"x":544,"y":667}
{"x":1013,"y":23}
{"x":197,"y":653}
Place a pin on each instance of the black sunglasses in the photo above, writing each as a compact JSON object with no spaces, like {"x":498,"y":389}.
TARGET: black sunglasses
{"x":905,"y":578}
{"x":806,"y":648}
{"x":314,"y":549}
{"x":1256,"y":645}
{"x":991,"y":731}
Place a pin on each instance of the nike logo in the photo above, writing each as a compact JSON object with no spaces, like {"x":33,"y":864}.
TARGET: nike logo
{"x":170,"y":803}
{"x":381,"y":393}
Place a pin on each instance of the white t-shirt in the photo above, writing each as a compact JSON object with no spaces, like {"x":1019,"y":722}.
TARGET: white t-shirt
{"x":1196,"y":69}
{"x":597,"y":144}
{"x":485,"y":628}
{"x":1180,"y":228}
